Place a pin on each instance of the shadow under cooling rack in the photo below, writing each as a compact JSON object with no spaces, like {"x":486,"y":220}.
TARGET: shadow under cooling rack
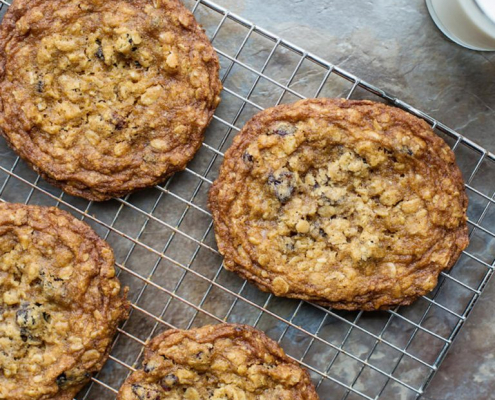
{"x":166,"y":253}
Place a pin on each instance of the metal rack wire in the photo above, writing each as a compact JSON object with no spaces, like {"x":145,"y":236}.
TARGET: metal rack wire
{"x":165,"y":248}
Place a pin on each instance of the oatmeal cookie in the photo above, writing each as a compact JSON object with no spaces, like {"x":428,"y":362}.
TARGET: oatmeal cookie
{"x":60,"y":303}
{"x":218,"y":362}
{"x":350,"y":204}
{"x":104,"y":97}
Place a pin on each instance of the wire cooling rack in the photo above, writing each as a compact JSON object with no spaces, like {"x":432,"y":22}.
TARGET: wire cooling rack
{"x":166,"y":253}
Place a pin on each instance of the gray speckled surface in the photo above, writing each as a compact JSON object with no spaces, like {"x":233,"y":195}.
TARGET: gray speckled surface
{"x":394,"y":45}
{"x":389,"y":43}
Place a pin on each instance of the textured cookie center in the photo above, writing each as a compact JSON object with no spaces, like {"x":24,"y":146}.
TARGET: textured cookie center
{"x":337,"y":205}
{"x":95,"y":84}
{"x":227,"y":369}
{"x":34,"y":315}
{"x":109,"y":81}
{"x":318,"y":204}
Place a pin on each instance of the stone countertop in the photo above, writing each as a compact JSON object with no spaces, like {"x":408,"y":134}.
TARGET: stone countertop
{"x":394,"y":45}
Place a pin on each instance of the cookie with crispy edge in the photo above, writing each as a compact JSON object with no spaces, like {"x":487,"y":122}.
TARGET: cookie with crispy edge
{"x":103,"y":98}
{"x":60,"y":303}
{"x":349,"y":204}
{"x":217,"y":362}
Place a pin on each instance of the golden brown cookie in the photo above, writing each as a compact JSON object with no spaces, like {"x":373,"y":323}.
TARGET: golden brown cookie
{"x":104,"y":97}
{"x":217,"y":362}
{"x":60,"y":303}
{"x":350,"y":204}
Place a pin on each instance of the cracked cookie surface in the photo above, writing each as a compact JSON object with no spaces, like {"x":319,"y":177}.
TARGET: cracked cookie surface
{"x":350,"y":204}
{"x":60,"y":303}
{"x":217,"y":362}
{"x":105,"y":97}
